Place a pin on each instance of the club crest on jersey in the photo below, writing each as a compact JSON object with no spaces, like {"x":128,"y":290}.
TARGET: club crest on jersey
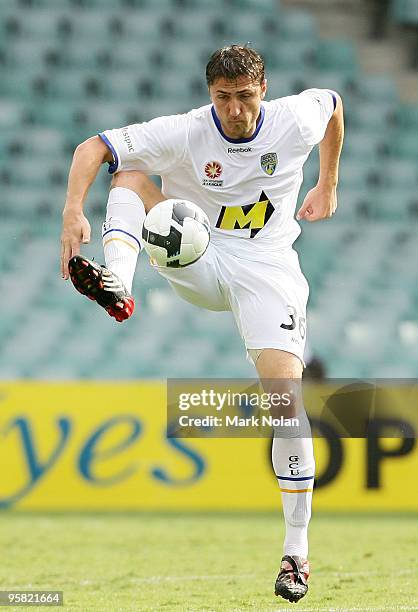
{"x":269,"y":162}
{"x":213,"y":171}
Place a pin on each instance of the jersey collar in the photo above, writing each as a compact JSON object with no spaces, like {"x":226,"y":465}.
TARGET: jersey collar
{"x":238,"y":140}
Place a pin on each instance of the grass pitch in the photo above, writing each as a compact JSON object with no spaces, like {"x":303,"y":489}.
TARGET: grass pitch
{"x":208,"y":562}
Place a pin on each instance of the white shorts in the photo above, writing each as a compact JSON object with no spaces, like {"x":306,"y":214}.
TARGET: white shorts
{"x":267,"y":298}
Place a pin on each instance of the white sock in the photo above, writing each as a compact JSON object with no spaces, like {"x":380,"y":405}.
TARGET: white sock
{"x":122,"y":233}
{"x":294,"y":466}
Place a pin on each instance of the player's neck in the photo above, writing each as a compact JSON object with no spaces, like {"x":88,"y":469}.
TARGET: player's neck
{"x":234,"y":136}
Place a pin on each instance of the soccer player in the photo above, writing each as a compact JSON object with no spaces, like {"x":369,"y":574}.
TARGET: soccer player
{"x":240,"y":159}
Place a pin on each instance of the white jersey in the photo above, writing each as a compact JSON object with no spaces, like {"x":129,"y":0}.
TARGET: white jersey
{"x":247,"y":187}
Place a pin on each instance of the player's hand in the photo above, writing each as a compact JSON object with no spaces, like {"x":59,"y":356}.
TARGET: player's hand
{"x":75,"y":230}
{"x":320,"y":203}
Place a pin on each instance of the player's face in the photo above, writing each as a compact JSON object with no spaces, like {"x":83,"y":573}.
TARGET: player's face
{"x":237,"y":104}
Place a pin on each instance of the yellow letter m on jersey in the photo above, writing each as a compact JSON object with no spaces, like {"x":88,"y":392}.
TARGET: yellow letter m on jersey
{"x":250,"y":216}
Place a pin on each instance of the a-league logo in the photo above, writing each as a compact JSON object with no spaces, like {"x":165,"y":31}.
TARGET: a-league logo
{"x":213,"y":170}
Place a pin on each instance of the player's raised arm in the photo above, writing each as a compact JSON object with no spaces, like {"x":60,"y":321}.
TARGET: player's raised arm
{"x":321,"y":201}
{"x":87,"y":159}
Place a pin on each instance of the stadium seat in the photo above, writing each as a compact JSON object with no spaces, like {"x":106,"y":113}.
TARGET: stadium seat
{"x":404,"y":145}
{"x":357,"y":174}
{"x":360,"y":144}
{"x":395,"y":204}
{"x":282,"y":84}
{"x":125,"y":86}
{"x":407,"y":116}
{"x":354,"y":204}
{"x":41,"y":332}
{"x":287,"y":56}
{"x":322,"y":332}
{"x":159,"y":107}
{"x":31,"y":56}
{"x":401,"y":173}
{"x":52,"y":371}
{"x":336,"y":55}
{"x":253,"y":28}
{"x":37,"y":24}
{"x":379,"y":88}
{"x":91,"y":55}
{"x":254,"y":6}
{"x":23,"y":85}
{"x":405,"y":11}
{"x":335,"y":80}
{"x":43,"y":142}
{"x":42,"y":4}
{"x":130,"y":55}
{"x":146,"y":27}
{"x":27,"y":174}
{"x":148,"y":5}
{"x":66,"y":117}
{"x":11,"y":113}
{"x":297,"y":24}
{"x":177,"y":56}
{"x":365,"y":343}
{"x":103,"y":5}
{"x":106,"y":116}
{"x":200,"y":26}
{"x":79,"y":25}
{"x":374,"y":115}
{"x":170,"y":87}
{"x":75,"y":84}
{"x":26,"y":202}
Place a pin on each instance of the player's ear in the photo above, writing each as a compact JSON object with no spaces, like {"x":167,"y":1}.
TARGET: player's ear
{"x":263,"y":88}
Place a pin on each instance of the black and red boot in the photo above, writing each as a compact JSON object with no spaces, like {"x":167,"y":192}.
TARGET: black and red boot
{"x":102,"y":286}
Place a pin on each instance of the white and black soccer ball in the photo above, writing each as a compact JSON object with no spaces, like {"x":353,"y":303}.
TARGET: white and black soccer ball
{"x":176,"y":233}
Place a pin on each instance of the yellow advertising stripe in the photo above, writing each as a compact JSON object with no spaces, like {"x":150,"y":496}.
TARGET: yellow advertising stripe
{"x":104,"y":446}
{"x":296,"y":490}
{"x":120,"y":240}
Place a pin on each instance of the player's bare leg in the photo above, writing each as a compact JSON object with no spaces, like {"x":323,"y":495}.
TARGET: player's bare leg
{"x":131,"y":194}
{"x":294,"y":466}
{"x":140,"y":184}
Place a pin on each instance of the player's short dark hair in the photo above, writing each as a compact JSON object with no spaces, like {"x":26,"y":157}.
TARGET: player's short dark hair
{"x":234,"y":61}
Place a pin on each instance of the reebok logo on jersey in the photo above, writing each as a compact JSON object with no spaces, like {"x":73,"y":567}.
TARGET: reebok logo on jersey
{"x":127,"y":139}
{"x":250,"y":216}
{"x":239,"y":149}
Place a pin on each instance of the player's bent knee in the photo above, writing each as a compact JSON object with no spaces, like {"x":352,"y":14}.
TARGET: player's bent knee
{"x":134,"y":180}
{"x":141,"y":184}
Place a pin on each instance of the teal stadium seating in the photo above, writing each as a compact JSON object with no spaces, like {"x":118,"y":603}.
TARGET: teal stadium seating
{"x":71,"y":68}
{"x":405,"y":11}
{"x":336,"y":55}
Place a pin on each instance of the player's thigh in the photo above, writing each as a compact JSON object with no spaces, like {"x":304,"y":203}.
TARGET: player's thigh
{"x":141,"y":184}
{"x":269,"y":304}
{"x":198,"y":283}
{"x":276,"y":364}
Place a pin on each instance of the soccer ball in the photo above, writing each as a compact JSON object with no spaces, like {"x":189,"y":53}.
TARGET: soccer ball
{"x":176,"y":233}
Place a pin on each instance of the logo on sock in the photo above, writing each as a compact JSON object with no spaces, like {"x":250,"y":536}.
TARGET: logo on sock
{"x":294,"y":465}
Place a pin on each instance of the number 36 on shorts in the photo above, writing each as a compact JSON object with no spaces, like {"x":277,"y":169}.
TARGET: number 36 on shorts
{"x":295,"y":322}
